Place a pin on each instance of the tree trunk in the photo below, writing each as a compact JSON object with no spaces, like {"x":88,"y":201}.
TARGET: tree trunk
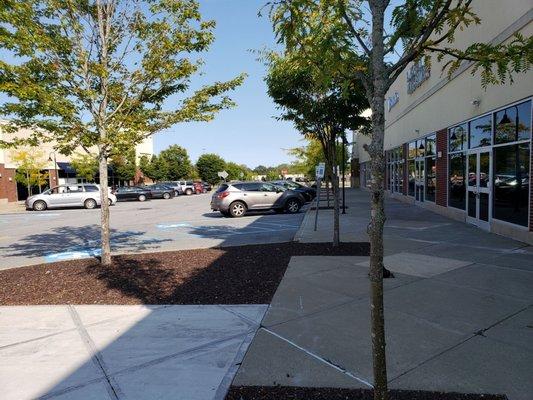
{"x":376,"y":94}
{"x":104,"y":213}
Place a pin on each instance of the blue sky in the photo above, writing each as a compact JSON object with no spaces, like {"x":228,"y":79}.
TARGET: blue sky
{"x":246,"y":134}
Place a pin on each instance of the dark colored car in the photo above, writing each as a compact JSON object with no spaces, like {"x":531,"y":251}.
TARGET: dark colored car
{"x":207,"y":186}
{"x":125,"y":193}
{"x":307,"y":192}
{"x":160,"y":191}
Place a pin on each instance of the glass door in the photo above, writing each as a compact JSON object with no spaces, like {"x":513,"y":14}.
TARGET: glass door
{"x":420,"y":179}
{"x":478,"y":188}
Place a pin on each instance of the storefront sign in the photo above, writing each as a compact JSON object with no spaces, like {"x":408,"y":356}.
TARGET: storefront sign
{"x":393,"y":100}
{"x":416,"y":75}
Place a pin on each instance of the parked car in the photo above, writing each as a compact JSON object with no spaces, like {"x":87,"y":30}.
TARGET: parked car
{"x":308,"y":193}
{"x":187,"y":187}
{"x":207,"y":186}
{"x":174,"y":185}
{"x":77,"y":195}
{"x":234,"y":199}
{"x":199,"y":187}
{"x":125,"y":193}
{"x":159,"y":191}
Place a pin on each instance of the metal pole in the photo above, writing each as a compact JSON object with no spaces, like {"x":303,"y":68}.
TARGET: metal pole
{"x":343,"y":175}
{"x":318,"y":187}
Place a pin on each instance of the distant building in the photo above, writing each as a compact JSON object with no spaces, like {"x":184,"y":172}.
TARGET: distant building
{"x":456,"y":148}
{"x":11,"y":191}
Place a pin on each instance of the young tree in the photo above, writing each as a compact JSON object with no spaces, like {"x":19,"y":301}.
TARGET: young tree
{"x":124,"y":165}
{"x":208,"y":166}
{"x":321,"y":110}
{"x":310,"y":155}
{"x":97,"y":74}
{"x":177,"y":161}
{"x":30,"y":163}
{"x":355,"y":38}
{"x":86,"y":166}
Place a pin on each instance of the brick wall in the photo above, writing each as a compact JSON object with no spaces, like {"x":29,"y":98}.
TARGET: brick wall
{"x":52,"y":178}
{"x":442,"y":168}
{"x":8,"y":188}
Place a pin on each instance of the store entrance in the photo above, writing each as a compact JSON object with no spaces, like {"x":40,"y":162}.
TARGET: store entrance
{"x":478,"y":191}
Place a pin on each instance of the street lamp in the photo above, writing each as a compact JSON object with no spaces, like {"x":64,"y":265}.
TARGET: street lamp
{"x":55,"y":165}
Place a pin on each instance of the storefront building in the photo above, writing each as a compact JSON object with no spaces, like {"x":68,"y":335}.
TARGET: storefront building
{"x":56,"y":167}
{"x":457,"y":148}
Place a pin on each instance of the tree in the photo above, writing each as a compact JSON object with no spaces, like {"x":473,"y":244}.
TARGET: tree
{"x":97,"y":74}
{"x":124,"y":165}
{"x":272,"y":174}
{"x":155,"y":168}
{"x":177,"y":161}
{"x":260,"y":170}
{"x":310,"y":155}
{"x":208,"y":166}
{"x":319,"y":109}
{"x":237,"y":172}
{"x":86,"y":166}
{"x":30,"y":162}
{"x":354,"y":40}
{"x":146,"y":166}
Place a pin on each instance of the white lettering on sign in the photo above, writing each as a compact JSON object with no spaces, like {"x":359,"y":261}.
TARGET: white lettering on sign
{"x":393,"y":100}
{"x":416,"y":75}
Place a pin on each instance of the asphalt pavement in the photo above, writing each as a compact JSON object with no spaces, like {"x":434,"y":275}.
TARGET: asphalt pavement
{"x":184,"y":222}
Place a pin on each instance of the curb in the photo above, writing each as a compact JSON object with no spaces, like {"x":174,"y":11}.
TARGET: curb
{"x":304,"y":223}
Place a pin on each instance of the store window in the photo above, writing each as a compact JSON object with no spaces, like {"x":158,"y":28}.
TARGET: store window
{"x":511,"y":164}
{"x":412,"y":150}
{"x":395,"y":168}
{"x":513,"y":123}
{"x":411,"y":173}
{"x":457,"y":167}
{"x":480,"y":132}
{"x":457,"y":138}
{"x":431,"y":168}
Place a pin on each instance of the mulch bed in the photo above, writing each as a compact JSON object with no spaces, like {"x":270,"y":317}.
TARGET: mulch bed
{"x":226,"y":275}
{"x":299,"y":393}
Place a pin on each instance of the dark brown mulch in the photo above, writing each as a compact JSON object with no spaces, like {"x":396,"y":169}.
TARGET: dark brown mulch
{"x":299,"y":393}
{"x":227,"y":275}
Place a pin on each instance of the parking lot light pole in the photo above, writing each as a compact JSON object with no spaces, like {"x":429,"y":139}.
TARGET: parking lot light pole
{"x":55,"y":165}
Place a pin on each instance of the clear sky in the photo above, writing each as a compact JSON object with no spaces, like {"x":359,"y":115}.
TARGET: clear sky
{"x":248,"y":133}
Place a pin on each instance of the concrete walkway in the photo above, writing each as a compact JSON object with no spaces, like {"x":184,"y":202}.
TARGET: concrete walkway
{"x":123,"y":352}
{"x":459,"y":314}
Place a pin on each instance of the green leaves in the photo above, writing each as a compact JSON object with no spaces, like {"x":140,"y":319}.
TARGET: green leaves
{"x":105,"y":75}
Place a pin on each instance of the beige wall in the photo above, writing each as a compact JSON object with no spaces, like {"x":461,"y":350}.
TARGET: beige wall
{"x":45,"y":149}
{"x":439,"y":103}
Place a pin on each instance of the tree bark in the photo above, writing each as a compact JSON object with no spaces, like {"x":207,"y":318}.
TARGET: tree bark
{"x":104,"y":213}
{"x":376,"y":94}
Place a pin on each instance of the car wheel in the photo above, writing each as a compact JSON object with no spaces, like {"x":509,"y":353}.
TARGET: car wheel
{"x":188,"y":192}
{"x":142,"y":197}
{"x":292,"y":206}
{"x":90,"y":204}
{"x":39,"y":205}
{"x":166,"y":196}
{"x":110,"y":202}
{"x":237,"y":209}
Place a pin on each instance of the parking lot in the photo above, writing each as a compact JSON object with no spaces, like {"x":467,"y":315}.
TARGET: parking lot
{"x":184,"y":222}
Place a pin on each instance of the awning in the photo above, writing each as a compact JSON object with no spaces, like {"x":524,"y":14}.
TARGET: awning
{"x":67,"y":167}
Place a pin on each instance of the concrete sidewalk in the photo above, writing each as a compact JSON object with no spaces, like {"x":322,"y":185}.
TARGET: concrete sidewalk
{"x":123,"y":352}
{"x":459,"y":314}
